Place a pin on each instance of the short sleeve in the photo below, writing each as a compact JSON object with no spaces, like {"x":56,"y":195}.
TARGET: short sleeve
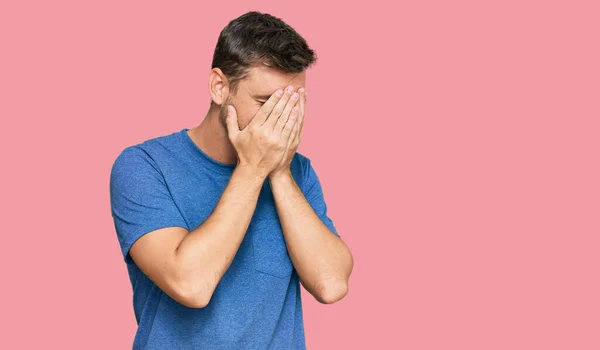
{"x":140,"y":199}
{"x":314,"y":195}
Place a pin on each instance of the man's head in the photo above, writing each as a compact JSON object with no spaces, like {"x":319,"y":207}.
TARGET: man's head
{"x":255,"y":55}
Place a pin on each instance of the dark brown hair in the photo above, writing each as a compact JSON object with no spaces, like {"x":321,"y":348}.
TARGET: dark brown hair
{"x":259,"y":38}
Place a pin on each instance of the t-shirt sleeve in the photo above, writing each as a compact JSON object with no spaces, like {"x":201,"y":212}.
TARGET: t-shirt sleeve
{"x":314,"y":195}
{"x":140,"y":199}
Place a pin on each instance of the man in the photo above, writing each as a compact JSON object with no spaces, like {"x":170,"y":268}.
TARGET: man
{"x":220,"y":224}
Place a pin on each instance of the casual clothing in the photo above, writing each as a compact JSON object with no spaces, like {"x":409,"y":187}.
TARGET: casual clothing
{"x":170,"y":181}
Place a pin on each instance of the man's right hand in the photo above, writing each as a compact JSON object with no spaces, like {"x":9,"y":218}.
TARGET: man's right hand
{"x":262,"y":144}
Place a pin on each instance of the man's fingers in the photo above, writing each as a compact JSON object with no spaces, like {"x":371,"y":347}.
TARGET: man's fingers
{"x":300,"y":125}
{"x":302,"y":92}
{"x":233,"y":128}
{"x":266,"y":108}
{"x":279,"y":107}
{"x":302,"y":112}
{"x":289,"y":126}
{"x":283,"y":118}
{"x":294,"y":135}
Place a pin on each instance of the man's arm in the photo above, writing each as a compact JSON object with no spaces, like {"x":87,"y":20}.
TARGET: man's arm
{"x":323,"y":261}
{"x":189,"y":265}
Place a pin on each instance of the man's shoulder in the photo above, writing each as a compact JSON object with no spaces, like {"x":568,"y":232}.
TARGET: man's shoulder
{"x":161,"y":141}
{"x":147,"y":151}
{"x":300,"y":169}
{"x":152,"y":144}
{"x":301,"y":160}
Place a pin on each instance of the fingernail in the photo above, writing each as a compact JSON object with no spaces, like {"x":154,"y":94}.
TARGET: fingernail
{"x":295,"y":95}
{"x":278,"y":93}
{"x":289,"y":88}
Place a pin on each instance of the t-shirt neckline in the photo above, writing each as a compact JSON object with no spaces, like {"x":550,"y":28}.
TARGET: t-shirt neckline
{"x":191,"y":145}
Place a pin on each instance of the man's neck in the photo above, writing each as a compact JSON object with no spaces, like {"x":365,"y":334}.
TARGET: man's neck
{"x":211,"y":137}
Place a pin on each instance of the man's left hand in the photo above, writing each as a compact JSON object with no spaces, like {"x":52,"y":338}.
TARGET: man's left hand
{"x":284,"y":167}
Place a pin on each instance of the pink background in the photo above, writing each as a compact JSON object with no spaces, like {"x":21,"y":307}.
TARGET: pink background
{"x":457,"y":143}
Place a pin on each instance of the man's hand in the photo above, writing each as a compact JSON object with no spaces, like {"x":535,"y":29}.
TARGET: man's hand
{"x":262,"y":144}
{"x":294,"y":140}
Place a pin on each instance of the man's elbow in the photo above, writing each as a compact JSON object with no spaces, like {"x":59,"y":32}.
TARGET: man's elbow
{"x":332,"y":292}
{"x":195,"y":301}
{"x":193,"y":295}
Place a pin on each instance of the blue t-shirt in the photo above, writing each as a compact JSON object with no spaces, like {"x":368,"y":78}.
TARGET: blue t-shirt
{"x":170,"y":181}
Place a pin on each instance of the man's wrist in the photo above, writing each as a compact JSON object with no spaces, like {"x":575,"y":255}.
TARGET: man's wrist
{"x":281,"y":176}
{"x":251,"y":173}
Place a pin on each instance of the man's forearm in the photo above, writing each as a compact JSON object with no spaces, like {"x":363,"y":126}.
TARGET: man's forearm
{"x":207,"y":252}
{"x":322,"y":260}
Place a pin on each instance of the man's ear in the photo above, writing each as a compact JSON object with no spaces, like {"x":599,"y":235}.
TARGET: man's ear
{"x":218,"y":86}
